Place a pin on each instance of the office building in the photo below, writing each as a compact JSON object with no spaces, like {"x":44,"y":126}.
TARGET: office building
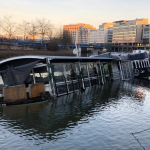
{"x":102,"y":35}
{"x":128,"y":31}
{"x":79,"y":32}
{"x":146,"y":34}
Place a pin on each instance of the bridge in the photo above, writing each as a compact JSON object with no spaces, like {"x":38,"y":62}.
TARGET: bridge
{"x":81,"y":46}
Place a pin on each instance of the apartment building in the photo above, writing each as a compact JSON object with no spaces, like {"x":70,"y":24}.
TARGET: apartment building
{"x":128,"y":31}
{"x":102,"y":35}
{"x":146,"y":34}
{"x":79,"y":32}
{"x":82,"y":35}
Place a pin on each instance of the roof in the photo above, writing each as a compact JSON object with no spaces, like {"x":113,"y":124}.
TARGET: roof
{"x":54,"y":58}
{"x":78,"y":58}
{"x":125,"y":56}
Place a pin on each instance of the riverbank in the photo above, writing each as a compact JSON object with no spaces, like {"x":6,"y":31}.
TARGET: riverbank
{"x":4,"y":54}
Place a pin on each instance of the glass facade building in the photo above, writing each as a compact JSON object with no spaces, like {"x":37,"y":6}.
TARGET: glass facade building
{"x":146,"y":34}
{"x":128,"y":31}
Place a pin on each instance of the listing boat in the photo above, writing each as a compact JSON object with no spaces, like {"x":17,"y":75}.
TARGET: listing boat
{"x":30,"y":78}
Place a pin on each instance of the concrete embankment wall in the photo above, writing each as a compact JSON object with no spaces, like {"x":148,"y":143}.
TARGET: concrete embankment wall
{"x":4,"y":54}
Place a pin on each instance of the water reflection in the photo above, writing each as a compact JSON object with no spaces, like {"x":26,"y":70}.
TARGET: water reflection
{"x":49,"y":121}
{"x":50,"y":118}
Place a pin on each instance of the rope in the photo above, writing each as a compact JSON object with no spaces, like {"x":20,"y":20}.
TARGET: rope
{"x":138,"y":133}
{"x":138,"y":141}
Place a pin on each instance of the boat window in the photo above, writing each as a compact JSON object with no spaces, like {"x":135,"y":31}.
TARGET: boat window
{"x":58,"y":71}
{"x":106,"y":70}
{"x":41,"y":74}
{"x":64,"y":72}
{"x":77,"y":68}
{"x":92,"y":69}
{"x":70,"y":71}
{"x":85,"y":70}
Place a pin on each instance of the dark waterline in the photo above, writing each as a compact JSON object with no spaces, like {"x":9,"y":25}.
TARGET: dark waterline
{"x":102,"y":117}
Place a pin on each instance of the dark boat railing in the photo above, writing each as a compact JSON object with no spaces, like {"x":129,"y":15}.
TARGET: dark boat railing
{"x":72,"y":84}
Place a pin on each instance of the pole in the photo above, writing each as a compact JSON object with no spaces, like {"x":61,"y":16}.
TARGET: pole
{"x":83,"y":77}
{"x":121,"y":70}
{"x":52,"y":80}
{"x":101,"y":71}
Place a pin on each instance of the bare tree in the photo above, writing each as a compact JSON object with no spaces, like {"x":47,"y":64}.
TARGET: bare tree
{"x":9,"y":27}
{"x":59,"y":34}
{"x":50,"y":32}
{"x":55,"y":37}
{"x":44,"y":28}
{"x":60,"y":37}
{"x":63,"y":36}
{"x":32,"y":31}
{"x":23,"y":29}
{"x":66,"y":37}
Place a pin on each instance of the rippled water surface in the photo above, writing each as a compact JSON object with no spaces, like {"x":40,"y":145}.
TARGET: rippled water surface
{"x":101,"y":118}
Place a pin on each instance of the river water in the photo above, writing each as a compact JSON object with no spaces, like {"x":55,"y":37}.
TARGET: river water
{"x":101,"y":118}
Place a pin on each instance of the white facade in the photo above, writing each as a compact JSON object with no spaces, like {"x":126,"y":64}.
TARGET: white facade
{"x":96,"y":36}
{"x":84,"y":35}
{"x":102,"y":35}
{"x":73,"y":37}
{"x":81,"y":35}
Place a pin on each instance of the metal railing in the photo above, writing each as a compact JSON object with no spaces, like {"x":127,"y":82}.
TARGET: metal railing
{"x":73,"y":84}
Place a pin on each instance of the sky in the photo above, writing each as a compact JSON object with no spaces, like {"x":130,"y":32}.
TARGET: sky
{"x":63,"y":12}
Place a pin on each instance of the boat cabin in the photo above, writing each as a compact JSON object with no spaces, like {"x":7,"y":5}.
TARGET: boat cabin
{"x":56,"y":75}
{"x":129,"y":65}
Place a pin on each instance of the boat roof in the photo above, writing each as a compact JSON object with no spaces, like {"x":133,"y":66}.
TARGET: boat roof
{"x":54,"y":58}
{"x":125,"y":56}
